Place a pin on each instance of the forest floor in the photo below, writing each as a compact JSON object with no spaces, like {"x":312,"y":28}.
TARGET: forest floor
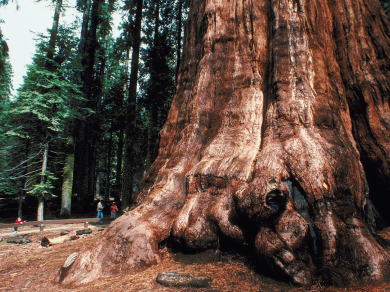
{"x":31,"y":267}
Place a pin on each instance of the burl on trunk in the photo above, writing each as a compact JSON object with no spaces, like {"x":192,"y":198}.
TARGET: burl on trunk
{"x":279,"y":129}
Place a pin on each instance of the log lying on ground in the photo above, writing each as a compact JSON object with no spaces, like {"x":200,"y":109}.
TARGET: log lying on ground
{"x":183,"y":280}
{"x":64,"y":238}
{"x":18,"y":240}
{"x":84,"y":231}
{"x":53,"y":241}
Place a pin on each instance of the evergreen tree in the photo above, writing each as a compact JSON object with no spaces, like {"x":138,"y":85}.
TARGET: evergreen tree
{"x":43,"y":108}
{"x":159,"y":71}
{"x":5,"y":73}
{"x":7,"y":143}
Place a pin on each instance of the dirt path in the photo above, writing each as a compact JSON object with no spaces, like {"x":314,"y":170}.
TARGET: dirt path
{"x":31,"y":267}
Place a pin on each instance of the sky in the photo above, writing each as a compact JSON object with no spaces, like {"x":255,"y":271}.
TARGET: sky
{"x":21,"y":25}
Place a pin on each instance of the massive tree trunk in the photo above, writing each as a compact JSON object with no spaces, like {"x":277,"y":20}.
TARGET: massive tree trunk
{"x":279,"y":128}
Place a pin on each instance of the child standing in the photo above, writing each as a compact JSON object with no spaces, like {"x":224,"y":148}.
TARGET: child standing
{"x":114,"y":209}
{"x":18,"y":221}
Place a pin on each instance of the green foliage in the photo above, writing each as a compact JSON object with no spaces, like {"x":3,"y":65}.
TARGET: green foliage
{"x":3,"y":2}
{"x":7,"y":143}
{"x":43,"y":188}
{"x":42,"y":111}
{"x":386,"y":7}
{"x":5,"y":73}
{"x":50,"y":102}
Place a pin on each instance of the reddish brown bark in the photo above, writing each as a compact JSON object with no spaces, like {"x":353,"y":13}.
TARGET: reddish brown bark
{"x":281,"y":110}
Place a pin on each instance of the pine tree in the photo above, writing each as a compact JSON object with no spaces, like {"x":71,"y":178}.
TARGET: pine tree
{"x":43,"y":108}
{"x":7,"y":185}
{"x":159,"y":72}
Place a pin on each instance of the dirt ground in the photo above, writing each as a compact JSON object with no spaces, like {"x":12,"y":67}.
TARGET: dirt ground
{"x":30,"y":267}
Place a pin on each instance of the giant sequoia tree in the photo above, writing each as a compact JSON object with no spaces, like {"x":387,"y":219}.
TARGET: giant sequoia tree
{"x":277,"y":137}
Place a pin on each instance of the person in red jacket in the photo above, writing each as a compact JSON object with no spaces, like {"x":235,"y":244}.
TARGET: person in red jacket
{"x":114,"y":209}
{"x":18,"y":221}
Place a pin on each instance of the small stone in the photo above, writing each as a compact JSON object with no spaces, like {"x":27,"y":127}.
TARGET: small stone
{"x":64,"y":232}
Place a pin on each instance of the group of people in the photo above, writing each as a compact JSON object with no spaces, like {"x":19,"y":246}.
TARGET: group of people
{"x":100,"y":207}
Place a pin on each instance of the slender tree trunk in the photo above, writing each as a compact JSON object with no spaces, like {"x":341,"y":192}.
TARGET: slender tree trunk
{"x":66,"y":199}
{"x":84,"y":28}
{"x":128,"y":158}
{"x":54,"y":30}
{"x":98,"y":183}
{"x":80,"y":186}
{"x":281,"y":111}
{"x":22,"y":193}
{"x":82,"y":171}
{"x":20,"y":206}
{"x":150,"y":154}
{"x":41,"y":196}
{"x":119,"y":156}
{"x":108,"y":167}
{"x":178,"y":52}
{"x":50,"y":55}
{"x":95,"y":129}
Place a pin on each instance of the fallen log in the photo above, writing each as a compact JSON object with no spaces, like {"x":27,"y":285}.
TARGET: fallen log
{"x":84,"y":231}
{"x":57,"y":240}
{"x":182,"y":280}
{"x":52,"y":241}
{"x":18,"y":240}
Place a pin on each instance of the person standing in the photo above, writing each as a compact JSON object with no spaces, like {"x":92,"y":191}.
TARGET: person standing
{"x":18,"y":221}
{"x":114,"y":209}
{"x":100,"y":210}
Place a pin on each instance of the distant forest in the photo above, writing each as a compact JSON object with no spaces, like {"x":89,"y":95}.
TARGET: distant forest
{"x":87,"y":118}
